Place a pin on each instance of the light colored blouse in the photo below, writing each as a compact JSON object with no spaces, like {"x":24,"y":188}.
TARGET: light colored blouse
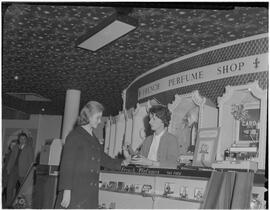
{"x":152,"y":155}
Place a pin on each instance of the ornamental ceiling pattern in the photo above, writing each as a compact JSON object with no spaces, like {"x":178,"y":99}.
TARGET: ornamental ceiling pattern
{"x":39,"y":47}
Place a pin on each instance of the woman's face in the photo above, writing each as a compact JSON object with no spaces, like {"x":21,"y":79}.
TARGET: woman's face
{"x":22,"y":140}
{"x":95,"y":119}
{"x":155,"y":122}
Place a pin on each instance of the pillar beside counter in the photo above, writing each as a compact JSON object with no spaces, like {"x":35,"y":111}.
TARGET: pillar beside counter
{"x":136,"y":187}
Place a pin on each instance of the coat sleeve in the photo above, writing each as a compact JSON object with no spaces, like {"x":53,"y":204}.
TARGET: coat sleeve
{"x":108,"y":162}
{"x":30,"y":156}
{"x":67,"y":165}
{"x":170,"y":160}
{"x":146,"y":146}
{"x":12,"y":159}
{"x":28,"y":159}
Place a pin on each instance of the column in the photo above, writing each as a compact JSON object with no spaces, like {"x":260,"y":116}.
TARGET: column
{"x":72,"y":106}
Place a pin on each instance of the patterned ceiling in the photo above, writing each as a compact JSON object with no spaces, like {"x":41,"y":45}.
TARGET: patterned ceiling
{"x":38,"y":46}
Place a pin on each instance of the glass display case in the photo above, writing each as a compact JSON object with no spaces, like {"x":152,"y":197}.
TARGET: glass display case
{"x":242,"y":121}
{"x":190,"y":112}
{"x":150,"y":188}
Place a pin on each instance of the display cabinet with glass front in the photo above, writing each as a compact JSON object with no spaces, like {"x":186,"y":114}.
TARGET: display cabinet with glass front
{"x":190,"y":112}
{"x":242,"y":121}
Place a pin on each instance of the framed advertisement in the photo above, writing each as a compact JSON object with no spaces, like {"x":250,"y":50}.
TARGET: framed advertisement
{"x":248,"y":130}
{"x":206,"y":147}
{"x":243,"y":120}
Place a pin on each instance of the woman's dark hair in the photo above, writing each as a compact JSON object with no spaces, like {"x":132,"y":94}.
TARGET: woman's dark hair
{"x":162,"y":112}
{"x":88,"y":110}
{"x":22,"y":134}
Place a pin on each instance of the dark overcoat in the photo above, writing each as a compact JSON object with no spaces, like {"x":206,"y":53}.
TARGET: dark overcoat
{"x":18,"y":172}
{"x":79,"y":169}
{"x":25,"y":160}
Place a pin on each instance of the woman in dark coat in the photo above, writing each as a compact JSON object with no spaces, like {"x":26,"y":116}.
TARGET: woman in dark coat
{"x":81,"y":160}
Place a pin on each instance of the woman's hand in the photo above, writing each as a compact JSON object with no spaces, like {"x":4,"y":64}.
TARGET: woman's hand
{"x":126,"y":155}
{"x":126,"y":152}
{"x":126,"y":162}
{"x":66,"y":198}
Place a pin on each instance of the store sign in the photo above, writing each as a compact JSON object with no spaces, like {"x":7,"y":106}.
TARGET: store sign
{"x":240,"y":66}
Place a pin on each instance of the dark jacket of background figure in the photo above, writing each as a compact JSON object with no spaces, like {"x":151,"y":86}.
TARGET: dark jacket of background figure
{"x":80,"y":167}
{"x":24,"y":162}
{"x":168,"y":150}
{"x":18,"y":172}
{"x":4,"y":168}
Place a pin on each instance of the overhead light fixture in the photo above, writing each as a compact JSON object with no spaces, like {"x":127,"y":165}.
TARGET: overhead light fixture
{"x":109,"y":30}
{"x":28,"y":96}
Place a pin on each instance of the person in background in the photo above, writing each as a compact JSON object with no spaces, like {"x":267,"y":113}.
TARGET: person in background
{"x":20,"y":161}
{"x":81,"y":159}
{"x":11,"y":145}
{"x":162,"y":148}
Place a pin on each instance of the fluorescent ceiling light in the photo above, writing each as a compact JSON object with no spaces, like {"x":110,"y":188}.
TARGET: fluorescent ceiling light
{"x":28,"y":96}
{"x":107,"y":31}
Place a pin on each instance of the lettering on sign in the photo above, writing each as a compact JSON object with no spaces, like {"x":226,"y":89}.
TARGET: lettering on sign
{"x":230,"y":68}
{"x":147,"y":171}
{"x":240,"y":66}
{"x":127,"y":170}
{"x":185,"y":78}
{"x":153,"y":88}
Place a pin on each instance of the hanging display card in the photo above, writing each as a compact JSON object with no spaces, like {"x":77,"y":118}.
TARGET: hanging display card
{"x":206,"y":147}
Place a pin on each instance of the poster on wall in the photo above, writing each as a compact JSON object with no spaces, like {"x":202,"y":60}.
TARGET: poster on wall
{"x":12,"y":134}
{"x":249,"y":129}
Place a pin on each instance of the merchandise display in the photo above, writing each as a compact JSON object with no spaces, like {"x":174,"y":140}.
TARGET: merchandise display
{"x":218,"y":115}
{"x":156,"y":188}
{"x":242,"y":113}
{"x":190,"y":112}
{"x":144,"y":186}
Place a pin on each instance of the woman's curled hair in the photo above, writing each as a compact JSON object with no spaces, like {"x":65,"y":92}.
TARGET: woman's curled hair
{"x":89,"y":109}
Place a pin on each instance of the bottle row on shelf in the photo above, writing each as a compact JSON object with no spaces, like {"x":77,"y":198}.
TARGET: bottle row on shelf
{"x":169,"y":190}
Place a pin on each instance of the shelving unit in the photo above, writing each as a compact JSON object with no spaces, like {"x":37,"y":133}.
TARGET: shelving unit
{"x":114,"y":197}
{"x":153,"y":195}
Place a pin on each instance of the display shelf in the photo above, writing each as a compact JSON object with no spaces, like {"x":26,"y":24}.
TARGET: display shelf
{"x":131,"y":193}
{"x":242,"y":119}
{"x":152,"y":195}
{"x":243,"y":164}
{"x":180,"y":199}
{"x":193,"y":173}
{"x":188,"y":173}
{"x":165,"y":188}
